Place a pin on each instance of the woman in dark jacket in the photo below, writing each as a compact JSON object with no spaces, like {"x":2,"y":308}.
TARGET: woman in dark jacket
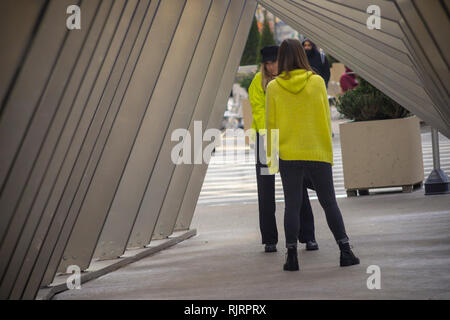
{"x":317,"y":60}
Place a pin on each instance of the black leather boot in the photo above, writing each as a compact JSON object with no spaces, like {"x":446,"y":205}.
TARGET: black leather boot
{"x":312,"y":245}
{"x":291,"y":260}
{"x":270,"y":248}
{"x":347,"y":257}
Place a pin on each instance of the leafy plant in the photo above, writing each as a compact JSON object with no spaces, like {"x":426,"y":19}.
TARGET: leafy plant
{"x":365,"y":103}
{"x":246,"y":80}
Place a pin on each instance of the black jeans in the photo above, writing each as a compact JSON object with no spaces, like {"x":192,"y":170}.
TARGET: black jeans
{"x":293,"y":174}
{"x":266,"y":203}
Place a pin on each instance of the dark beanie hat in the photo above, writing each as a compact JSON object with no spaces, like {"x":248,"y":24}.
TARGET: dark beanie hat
{"x":269,"y":53}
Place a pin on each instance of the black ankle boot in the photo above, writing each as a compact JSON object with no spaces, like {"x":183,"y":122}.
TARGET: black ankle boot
{"x":291,"y":260}
{"x":312,"y":245}
{"x":347,"y":257}
{"x":270,"y":248}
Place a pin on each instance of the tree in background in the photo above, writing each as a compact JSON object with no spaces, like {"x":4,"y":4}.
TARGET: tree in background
{"x":267,"y":37}
{"x":251,"y":46}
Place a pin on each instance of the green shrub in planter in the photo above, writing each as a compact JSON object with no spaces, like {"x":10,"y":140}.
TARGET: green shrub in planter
{"x":245,"y":81}
{"x":365,"y":103}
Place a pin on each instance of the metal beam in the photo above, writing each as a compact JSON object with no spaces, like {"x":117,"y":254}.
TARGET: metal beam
{"x":125,"y":207}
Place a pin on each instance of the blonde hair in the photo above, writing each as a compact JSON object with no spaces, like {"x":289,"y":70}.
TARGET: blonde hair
{"x":266,"y":76}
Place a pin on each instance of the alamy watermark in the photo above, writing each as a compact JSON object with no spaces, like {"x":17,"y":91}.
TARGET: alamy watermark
{"x":374,"y":280}
{"x":73,"y":22}
{"x":374,"y":20}
{"x":74,"y":280}
{"x":197,"y":147}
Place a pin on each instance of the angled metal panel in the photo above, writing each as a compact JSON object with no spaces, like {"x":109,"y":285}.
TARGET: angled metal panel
{"x":430,"y":60}
{"x":22,"y":16}
{"x":94,"y":143}
{"x":91,"y":125}
{"x":341,"y":36}
{"x":392,"y":46}
{"x":150,"y":208}
{"x":26,"y":173}
{"x":33,"y":79}
{"x":146,"y":144}
{"x":195,"y":178}
{"x":122,"y":216}
{"x":181,"y":186}
{"x":382,"y":36}
{"x":48,"y":176}
{"x":66,"y":152}
{"x":103,"y":122}
{"x":115,"y":152}
{"x":436,"y":19}
{"x":109,"y":104}
{"x":388,"y":9}
{"x":360,"y":15}
{"x":373,"y":43}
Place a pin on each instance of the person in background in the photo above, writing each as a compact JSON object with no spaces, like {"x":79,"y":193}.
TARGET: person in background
{"x":297,"y":108}
{"x":265,"y":181}
{"x":348,"y":80}
{"x":317,"y":60}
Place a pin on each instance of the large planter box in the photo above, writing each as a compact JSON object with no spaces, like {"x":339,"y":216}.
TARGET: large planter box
{"x":381,"y":153}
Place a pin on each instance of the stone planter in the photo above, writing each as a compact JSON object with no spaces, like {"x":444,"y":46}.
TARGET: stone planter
{"x":381,"y":153}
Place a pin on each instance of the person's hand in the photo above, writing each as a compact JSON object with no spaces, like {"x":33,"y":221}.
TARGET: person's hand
{"x":273,"y":169}
{"x":273,"y":166}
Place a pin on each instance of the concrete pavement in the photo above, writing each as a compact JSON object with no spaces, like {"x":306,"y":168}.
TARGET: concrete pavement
{"x":406,"y":235}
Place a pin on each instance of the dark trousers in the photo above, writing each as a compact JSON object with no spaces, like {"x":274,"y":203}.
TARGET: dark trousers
{"x":293,"y":173}
{"x":306,"y":230}
{"x":266,"y":203}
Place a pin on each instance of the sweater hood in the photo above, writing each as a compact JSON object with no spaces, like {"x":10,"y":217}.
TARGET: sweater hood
{"x":296,"y":82}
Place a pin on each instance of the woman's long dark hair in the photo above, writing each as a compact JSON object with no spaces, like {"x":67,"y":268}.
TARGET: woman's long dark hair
{"x":291,"y":56}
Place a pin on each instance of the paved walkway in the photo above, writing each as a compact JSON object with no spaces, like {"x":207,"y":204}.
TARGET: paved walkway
{"x":406,"y":235}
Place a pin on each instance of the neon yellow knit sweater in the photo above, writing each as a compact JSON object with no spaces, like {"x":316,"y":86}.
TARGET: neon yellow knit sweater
{"x":298,"y":108}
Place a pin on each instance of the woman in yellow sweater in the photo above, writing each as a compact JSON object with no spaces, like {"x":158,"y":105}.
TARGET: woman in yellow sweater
{"x":297,"y":111}
{"x":266,"y":181}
